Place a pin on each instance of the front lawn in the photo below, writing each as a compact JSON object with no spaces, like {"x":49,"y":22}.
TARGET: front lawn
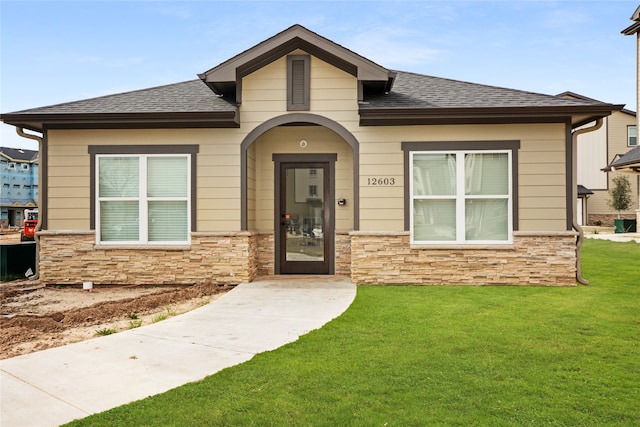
{"x":401,"y":355}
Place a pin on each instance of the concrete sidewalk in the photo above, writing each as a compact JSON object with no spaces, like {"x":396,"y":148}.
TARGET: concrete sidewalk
{"x":59,"y":385}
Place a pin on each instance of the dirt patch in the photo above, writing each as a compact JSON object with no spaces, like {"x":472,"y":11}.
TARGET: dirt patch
{"x":34,"y":317}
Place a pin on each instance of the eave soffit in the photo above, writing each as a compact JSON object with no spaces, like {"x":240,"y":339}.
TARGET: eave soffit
{"x":233,"y":70}
{"x":576,"y":116}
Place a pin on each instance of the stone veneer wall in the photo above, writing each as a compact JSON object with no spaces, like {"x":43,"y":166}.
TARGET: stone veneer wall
{"x":72,"y":258}
{"x":606,"y":220}
{"x":266,"y":254}
{"x":533,"y":259}
{"x":343,"y":254}
{"x":369,"y":257}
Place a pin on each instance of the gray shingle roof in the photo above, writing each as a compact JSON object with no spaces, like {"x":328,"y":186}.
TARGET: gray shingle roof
{"x":631,"y":158}
{"x":583,"y":191}
{"x":192,"y":96}
{"x":19,"y":154}
{"x":412,"y":90}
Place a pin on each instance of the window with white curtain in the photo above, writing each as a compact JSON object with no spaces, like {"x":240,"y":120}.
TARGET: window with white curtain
{"x":143,"y":198}
{"x":461,"y":197}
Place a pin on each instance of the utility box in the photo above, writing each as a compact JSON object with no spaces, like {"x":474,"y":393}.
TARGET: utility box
{"x":625,"y":225}
{"x":16,"y":259}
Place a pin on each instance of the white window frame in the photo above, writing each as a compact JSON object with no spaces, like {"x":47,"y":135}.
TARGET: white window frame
{"x":629,"y":128}
{"x":460,"y":197}
{"x":143,"y":201}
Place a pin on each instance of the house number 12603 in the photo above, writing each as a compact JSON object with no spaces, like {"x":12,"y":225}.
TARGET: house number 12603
{"x":381,"y":181}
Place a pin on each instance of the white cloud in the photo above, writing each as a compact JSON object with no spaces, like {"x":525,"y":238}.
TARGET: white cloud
{"x":179,"y":12}
{"x":395,"y":47}
{"x":565,"y":19}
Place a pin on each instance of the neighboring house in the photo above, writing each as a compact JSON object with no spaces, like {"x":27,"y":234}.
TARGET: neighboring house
{"x":299,"y":156}
{"x":634,"y":29}
{"x":596,"y":150}
{"x":18,"y":184}
{"x":630,"y":162}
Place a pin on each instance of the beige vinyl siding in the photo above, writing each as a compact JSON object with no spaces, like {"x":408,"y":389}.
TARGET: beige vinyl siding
{"x":542,"y":187}
{"x":251,"y":187}
{"x":68,"y":182}
{"x":218,"y":194}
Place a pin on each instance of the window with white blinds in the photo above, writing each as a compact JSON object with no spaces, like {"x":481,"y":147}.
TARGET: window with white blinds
{"x":632,"y":136}
{"x":461,"y":197}
{"x":143,"y":198}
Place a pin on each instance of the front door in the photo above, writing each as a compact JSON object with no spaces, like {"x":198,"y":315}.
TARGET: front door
{"x":305,"y":219}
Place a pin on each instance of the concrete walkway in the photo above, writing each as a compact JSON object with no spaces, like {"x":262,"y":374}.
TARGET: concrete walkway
{"x":59,"y":385}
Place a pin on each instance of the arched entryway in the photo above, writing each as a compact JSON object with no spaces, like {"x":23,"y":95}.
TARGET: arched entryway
{"x":289,"y":146}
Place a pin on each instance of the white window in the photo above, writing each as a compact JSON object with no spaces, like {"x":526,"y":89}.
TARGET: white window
{"x":143,"y":198}
{"x":461,"y":197}
{"x":11,"y":166}
{"x":632,"y":136}
{"x":25,"y":166}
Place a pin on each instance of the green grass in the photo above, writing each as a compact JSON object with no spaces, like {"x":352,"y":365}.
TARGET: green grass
{"x":440,"y":356}
{"x":105,"y":331}
{"x":135,"y":323}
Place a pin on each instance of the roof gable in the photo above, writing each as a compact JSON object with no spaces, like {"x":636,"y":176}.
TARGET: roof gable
{"x":226,"y":77}
{"x":635,"y":27}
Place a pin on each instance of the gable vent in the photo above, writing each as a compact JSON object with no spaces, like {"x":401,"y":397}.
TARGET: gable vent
{"x":298,"y":81}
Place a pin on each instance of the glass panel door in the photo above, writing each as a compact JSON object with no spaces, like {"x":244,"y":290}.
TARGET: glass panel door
{"x":303,"y":219}
{"x":304,"y":214}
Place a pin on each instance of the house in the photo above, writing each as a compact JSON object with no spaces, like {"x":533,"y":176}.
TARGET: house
{"x":596,"y":150}
{"x":18,"y":184}
{"x":630,"y":162}
{"x":631,"y":30}
{"x":300,"y":156}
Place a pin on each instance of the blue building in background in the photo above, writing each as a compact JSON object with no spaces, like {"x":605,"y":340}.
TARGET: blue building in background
{"x":18,"y":184}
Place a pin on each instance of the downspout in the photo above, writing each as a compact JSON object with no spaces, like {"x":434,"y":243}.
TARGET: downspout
{"x":36,"y":238}
{"x":574,"y":183}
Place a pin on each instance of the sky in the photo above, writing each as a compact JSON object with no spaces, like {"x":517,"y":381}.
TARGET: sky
{"x":60,"y":51}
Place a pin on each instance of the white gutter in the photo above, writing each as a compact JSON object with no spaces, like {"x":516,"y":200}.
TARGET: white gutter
{"x":36,"y":238}
{"x":574,"y":189}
